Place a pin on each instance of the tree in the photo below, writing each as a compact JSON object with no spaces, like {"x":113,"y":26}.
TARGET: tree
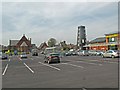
{"x":51,"y":42}
{"x":64,"y":45}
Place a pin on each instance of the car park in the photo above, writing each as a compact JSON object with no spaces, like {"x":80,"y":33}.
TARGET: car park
{"x":52,"y":58}
{"x":111,"y":53}
{"x":23,"y":55}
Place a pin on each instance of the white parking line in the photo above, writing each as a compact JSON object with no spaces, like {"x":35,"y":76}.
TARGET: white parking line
{"x":49,"y":66}
{"x":5,"y":69}
{"x":112,"y":62}
{"x":29,"y":68}
{"x":9,"y":60}
{"x":73,"y":65}
{"x":90,"y":63}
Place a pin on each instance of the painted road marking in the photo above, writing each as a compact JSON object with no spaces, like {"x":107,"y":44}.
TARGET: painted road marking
{"x":49,"y":66}
{"x":29,"y":68}
{"x":112,"y":62}
{"x":100,"y":60}
{"x":73,"y":65}
{"x":9,"y":60}
{"x":90,"y":63}
{"x":5,"y":69}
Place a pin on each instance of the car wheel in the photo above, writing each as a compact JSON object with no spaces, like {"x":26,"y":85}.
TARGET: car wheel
{"x":103,"y":56}
{"x":58,"y":61}
{"x":45,"y":61}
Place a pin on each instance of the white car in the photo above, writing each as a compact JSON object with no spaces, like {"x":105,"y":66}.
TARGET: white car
{"x":23,"y":55}
{"x":111,"y":53}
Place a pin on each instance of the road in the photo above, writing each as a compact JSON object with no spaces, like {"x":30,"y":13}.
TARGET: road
{"x":72,"y":72}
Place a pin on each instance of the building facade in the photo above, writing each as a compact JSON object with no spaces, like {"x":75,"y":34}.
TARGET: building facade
{"x":113,"y":41}
{"x":22,"y":45}
{"x":98,"y":44}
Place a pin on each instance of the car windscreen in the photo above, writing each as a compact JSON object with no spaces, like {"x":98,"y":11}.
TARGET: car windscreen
{"x":23,"y":54}
{"x":116,"y":51}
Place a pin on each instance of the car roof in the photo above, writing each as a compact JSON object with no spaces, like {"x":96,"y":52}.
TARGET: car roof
{"x":53,"y":53}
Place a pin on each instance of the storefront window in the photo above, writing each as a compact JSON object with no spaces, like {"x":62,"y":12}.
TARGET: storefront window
{"x":113,"y":39}
{"x":112,"y":47}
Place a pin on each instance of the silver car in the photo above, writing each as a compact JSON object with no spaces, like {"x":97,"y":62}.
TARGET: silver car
{"x":111,"y":53}
{"x":92,"y":52}
{"x":83,"y":53}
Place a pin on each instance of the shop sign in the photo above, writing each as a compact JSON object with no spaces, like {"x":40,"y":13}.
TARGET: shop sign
{"x":112,"y":44}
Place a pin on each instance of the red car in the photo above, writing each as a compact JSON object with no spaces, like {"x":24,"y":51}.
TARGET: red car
{"x":52,"y":58}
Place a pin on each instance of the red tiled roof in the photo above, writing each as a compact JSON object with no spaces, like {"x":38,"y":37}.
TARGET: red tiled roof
{"x":24,"y":39}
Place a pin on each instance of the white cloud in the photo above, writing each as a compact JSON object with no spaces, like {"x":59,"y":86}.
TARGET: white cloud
{"x":41,"y":21}
{"x":60,"y":1}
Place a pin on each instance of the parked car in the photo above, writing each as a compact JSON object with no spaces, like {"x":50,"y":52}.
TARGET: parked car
{"x":83,"y":53}
{"x":10,"y":54}
{"x":74,"y":53}
{"x":52,"y":58}
{"x":23,"y":55}
{"x":99,"y":53}
{"x":42,"y":52}
{"x":111,"y":53}
{"x":92,"y":52}
{"x":68,"y":54}
{"x":34,"y":54}
{"x":3,"y":56}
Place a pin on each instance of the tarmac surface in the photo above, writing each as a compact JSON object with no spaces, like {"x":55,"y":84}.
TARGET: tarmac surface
{"x":72,"y":72}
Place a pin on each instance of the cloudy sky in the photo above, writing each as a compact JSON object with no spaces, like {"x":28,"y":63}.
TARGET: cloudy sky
{"x":60,"y":20}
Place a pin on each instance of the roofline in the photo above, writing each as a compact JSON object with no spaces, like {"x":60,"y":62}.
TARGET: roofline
{"x":118,"y":32}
